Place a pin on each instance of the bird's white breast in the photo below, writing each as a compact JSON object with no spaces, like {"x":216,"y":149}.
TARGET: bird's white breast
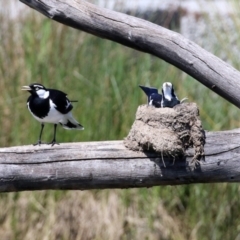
{"x":168,"y":94}
{"x":54,"y":116}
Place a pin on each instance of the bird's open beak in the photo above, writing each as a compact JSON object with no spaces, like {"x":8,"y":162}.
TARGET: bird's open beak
{"x":26,"y":88}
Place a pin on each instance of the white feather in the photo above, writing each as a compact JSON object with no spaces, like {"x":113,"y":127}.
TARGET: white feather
{"x":42,"y":93}
{"x":167,"y":90}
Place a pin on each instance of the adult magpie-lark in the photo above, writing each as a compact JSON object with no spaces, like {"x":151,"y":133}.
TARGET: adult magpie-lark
{"x":50,"y":106}
{"x":154,"y":98}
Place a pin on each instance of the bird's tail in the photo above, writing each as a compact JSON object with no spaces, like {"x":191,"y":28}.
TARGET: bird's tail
{"x":147,"y":90}
{"x":71,"y":123}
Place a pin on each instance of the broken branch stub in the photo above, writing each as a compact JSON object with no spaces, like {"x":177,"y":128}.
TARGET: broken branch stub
{"x":167,"y":131}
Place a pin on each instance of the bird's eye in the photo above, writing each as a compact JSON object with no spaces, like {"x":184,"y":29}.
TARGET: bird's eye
{"x":37,"y":88}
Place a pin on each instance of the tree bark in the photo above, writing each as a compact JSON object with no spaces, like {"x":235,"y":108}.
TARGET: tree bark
{"x":144,"y":36}
{"x":99,"y":165}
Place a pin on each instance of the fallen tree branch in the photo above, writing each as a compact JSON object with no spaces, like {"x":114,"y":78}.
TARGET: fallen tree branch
{"x":147,"y":37}
{"x":99,"y":165}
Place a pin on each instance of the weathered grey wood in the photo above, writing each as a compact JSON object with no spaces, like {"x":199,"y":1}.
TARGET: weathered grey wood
{"x":98,"y":165}
{"x":147,"y":37}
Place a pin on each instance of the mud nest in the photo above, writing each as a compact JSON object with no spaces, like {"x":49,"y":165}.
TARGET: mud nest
{"x":167,"y":131}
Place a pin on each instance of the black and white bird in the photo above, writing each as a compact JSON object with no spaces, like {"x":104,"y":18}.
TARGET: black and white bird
{"x":50,"y":106}
{"x":169,"y":98}
{"x":154,"y":98}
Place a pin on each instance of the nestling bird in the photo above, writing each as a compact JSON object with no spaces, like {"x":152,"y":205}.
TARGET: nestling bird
{"x":169,"y":99}
{"x":50,"y":106}
{"x":154,"y":98}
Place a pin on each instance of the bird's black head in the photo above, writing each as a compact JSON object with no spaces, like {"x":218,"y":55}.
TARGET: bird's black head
{"x":37,"y":89}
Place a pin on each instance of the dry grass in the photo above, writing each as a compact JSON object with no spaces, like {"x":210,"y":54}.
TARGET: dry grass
{"x":83,"y":215}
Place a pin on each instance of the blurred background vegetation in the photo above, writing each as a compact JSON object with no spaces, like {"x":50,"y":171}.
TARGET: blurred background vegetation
{"x":104,"y":77}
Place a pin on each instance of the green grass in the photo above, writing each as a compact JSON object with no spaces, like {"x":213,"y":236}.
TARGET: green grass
{"x":104,"y":77}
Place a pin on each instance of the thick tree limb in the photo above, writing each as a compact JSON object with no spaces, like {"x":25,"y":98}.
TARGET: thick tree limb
{"x":147,"y":37}
{"x":100,"y":165}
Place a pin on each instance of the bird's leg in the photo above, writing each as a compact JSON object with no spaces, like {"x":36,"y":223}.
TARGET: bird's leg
{"x":40,"y":136}
{"x":54,"y":136}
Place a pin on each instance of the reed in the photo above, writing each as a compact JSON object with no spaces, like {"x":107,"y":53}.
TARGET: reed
{"x":104,"y":77}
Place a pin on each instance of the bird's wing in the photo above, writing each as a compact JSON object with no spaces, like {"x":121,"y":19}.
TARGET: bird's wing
{"x":62,"y":103}
{"x":156,"y":99}
{"x":148,"y":90}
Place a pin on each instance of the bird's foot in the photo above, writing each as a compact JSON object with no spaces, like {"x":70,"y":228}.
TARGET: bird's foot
{"x":53,"y":142}
{"x":39,"y":142}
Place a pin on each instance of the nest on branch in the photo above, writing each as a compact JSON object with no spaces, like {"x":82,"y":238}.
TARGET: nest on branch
{"x":167,"y":131}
